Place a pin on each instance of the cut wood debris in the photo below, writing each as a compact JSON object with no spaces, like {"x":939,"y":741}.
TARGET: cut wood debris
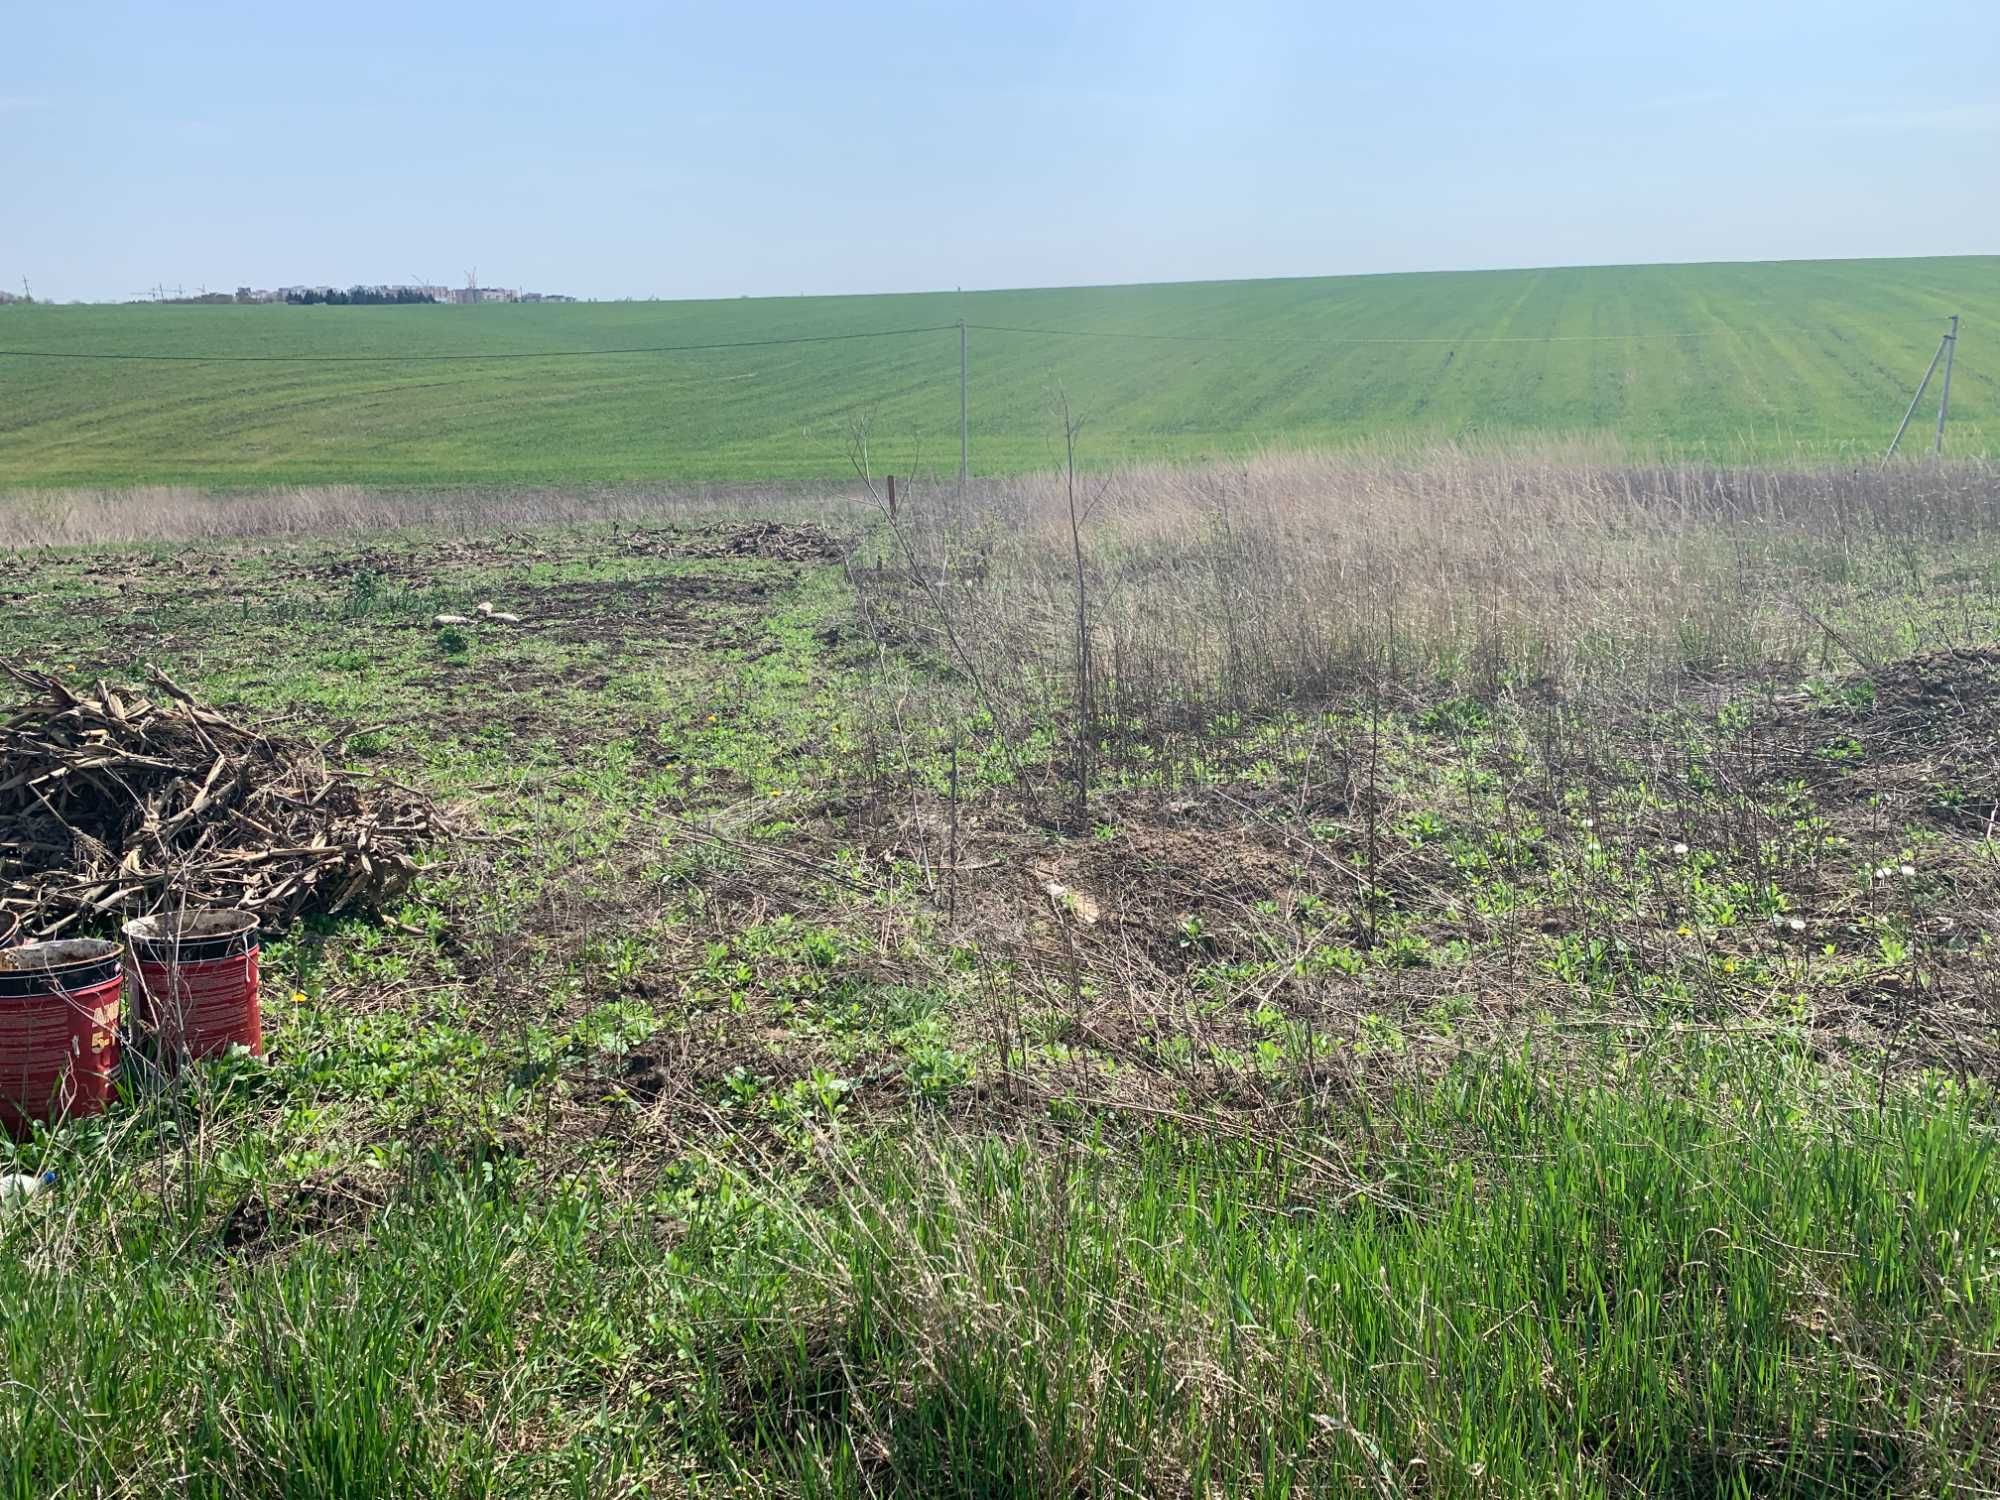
{"x":485,"y":613}
{"x":131,"y":804}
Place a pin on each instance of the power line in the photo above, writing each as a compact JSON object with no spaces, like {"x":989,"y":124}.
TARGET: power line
{"x":512,"y":354}
{"x":890,"y":333}
{"x":1309,"y":338}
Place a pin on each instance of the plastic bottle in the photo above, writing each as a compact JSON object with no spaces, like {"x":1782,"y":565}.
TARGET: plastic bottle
{"x":19,"y":1187}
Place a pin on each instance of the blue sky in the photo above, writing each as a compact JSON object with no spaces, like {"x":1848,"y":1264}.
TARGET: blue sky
{"x":638,"y":150}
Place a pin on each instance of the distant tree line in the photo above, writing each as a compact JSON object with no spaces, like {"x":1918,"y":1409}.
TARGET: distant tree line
{"x":359,"y":296}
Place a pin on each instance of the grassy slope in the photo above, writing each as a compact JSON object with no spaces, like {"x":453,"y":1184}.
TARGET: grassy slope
{"x":1830,"y":354}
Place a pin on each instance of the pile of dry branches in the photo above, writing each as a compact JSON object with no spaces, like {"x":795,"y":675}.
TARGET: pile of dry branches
{"x":124,"y":806}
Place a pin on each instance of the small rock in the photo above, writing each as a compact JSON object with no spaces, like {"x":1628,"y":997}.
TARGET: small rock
{"x":1074,"y":902}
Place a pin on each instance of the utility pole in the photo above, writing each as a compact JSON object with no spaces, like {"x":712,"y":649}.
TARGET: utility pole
{"x":1944,"y":396}
{"x":1922,"y":386}
{"x":962,"y":448}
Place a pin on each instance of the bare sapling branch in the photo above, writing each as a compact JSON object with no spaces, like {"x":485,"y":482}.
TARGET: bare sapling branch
{"x":1071,"y":426}
{"x":857,"y":453}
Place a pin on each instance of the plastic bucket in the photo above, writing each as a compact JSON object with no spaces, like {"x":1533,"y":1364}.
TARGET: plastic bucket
{"x":58,"y":1030}
{"x":195,"y":973}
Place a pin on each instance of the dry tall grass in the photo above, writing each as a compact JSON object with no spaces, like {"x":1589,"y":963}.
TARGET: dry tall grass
{"x":164,"y":513}
{"x":1296,"y":576}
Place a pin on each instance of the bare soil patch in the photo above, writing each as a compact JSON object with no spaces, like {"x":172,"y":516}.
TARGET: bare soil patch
{"x":429,"y":564}
{"x":691,"y":610}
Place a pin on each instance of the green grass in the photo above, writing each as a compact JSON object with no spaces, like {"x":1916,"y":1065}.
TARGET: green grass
{"x":1710,"y":1275}
{"x":1797,"y":359}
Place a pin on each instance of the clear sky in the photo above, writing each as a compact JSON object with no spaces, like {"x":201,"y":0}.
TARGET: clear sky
{"x":639,"y":150}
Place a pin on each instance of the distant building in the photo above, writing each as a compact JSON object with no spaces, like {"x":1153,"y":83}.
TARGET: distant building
{"x":463,"y":296}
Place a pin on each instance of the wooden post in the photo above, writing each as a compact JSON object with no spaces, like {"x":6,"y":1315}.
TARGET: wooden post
{"x":892,"y":497}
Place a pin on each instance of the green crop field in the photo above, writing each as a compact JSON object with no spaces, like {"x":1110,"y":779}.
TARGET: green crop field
{"x":1755,"y":361}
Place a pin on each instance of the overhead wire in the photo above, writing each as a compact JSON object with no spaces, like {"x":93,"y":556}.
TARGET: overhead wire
{"x":506,"y":355}
{"x":501,"y":354}
{"x":1312,"y":338}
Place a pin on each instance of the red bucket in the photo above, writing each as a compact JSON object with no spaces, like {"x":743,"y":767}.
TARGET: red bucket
{"x":58,"y":1030}
{"x":196,"y":973}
